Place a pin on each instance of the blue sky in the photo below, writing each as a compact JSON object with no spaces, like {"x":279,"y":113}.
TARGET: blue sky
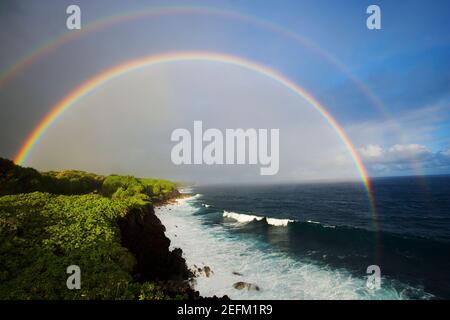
{"x":405,"y":65}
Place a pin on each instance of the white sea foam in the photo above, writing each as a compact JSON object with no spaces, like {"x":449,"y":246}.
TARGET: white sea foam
{"x":323,"y":225}
{"x":188,"y":199}
{"x":278,"y":222}
{"x":244,"y":218}
{"x":240,"y":217}
{"x":278,"y":275}
{"x":205,"y":205}
{"x":185,"y":190}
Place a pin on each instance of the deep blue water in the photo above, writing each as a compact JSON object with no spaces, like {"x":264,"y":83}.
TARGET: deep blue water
{"x":333,"y":225}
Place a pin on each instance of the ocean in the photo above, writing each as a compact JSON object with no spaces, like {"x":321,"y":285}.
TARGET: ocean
{"x":316,"y":240}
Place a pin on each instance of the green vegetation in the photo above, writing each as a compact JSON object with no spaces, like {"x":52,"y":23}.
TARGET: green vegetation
{"x":51,"y":220}
{"x":140,"y":190}
{"x":16,"y":179}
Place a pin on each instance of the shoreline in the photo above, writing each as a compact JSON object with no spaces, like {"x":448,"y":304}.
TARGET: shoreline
{"x":170,"y":203}
{"x":240,"y":269}
{"x":115,"y":211}
{"x":205,"y":273}
{"x":241,"y":250}
{"x":172,"y":199}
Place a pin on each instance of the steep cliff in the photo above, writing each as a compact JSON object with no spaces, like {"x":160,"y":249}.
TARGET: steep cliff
{"x":142,"y":233}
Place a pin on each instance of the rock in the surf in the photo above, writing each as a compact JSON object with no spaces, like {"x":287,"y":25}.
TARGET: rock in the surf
{"x":245,"y":285}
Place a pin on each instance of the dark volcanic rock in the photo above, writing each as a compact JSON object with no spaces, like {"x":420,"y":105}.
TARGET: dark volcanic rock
{"x":143,"y":234}
{"x":166,"y":198}
{"x":245,"y":285}
{"x":208,"y":271}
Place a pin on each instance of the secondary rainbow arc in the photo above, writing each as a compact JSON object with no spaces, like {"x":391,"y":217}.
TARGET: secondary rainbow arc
{"x":110,"y":21}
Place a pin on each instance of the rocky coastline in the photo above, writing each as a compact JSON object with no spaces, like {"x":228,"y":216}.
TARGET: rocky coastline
{"x":143,"y":235}
{"x":121,"y":245}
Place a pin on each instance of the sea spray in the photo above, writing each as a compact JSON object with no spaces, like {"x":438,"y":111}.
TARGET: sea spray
{"x":234,"y":259}
{"x":244,"y":218}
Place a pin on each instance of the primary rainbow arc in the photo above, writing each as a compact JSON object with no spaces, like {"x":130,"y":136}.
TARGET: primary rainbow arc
{"x":91,"y":84}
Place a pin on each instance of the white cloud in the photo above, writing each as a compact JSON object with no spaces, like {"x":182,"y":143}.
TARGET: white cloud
{"x":447,"y":152}
{"x":394,"y":154}
{"x":403,"y":157}
{"x":418,"y":126}
{"x":411,"y":142}
{"x":371,"y":151}
{"x":405,"y":152}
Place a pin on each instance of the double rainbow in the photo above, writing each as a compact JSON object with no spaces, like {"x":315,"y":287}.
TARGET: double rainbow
{"x":90,"y":85}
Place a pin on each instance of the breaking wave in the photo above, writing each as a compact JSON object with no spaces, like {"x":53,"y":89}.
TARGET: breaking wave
{"x":245,"y":218}
{"x":233,"y":258}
